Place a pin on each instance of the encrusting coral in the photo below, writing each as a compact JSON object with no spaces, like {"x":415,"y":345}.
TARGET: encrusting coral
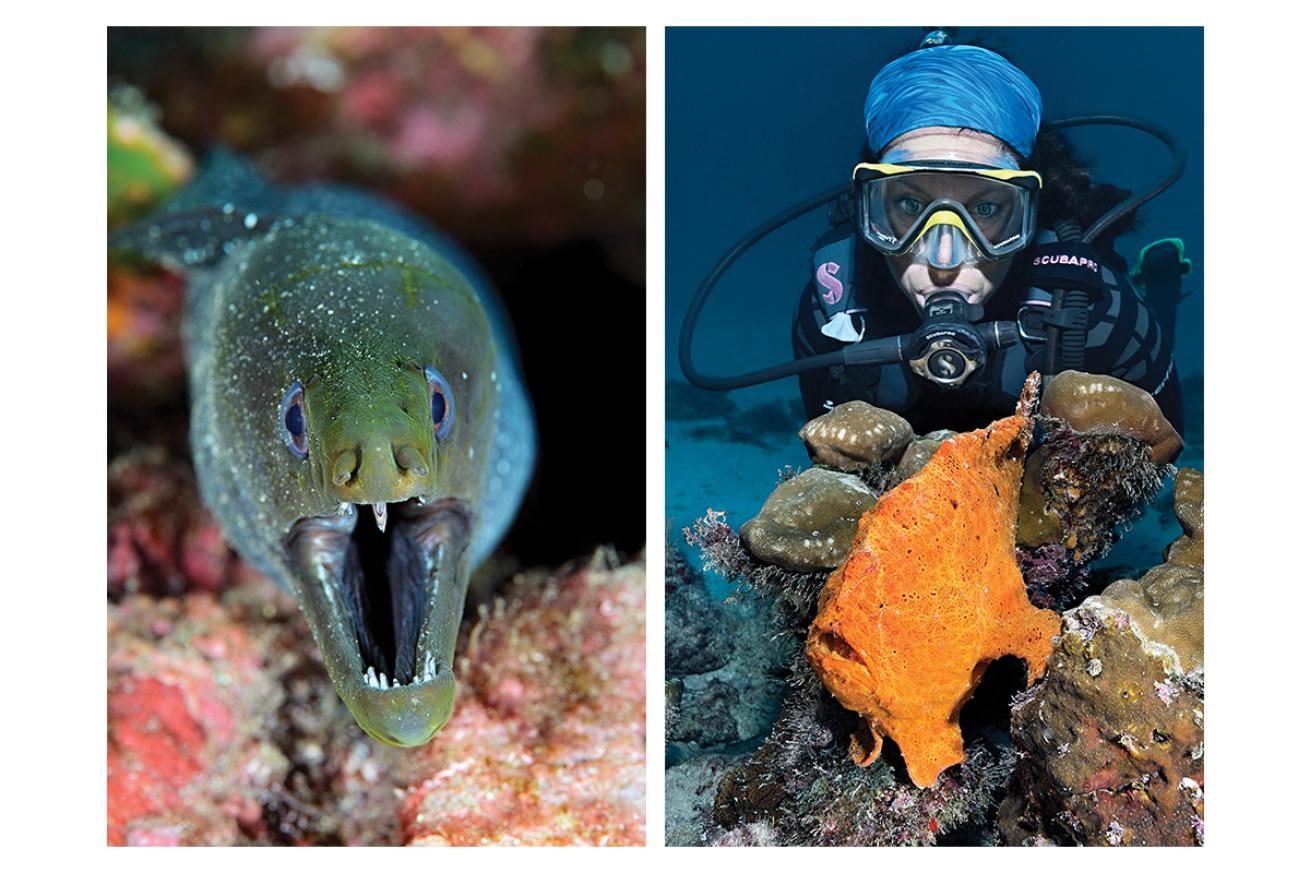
{"x":808,"y":522}
{"x":856,"y":435}
{"x":931,"y":595}
{"x":1111,"y":741}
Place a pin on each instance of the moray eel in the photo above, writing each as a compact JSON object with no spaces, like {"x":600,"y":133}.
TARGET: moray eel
{"x":359,"y":425}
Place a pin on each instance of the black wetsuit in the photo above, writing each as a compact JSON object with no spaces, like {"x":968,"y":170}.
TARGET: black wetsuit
{"x":1124,"y":340}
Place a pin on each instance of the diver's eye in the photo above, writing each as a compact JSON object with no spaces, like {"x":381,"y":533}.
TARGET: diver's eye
{"x":909,"y":205}
{"x":292,"y":419}
{"x":443,"y":402}
{"x":986,"y":210}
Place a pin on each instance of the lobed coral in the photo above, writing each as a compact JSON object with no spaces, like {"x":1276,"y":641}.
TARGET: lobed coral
{"x":929,"y":597}
{"x":1098,"y":404}
{"x":856,"y":435}
{"x":807,"y":523}
{"x":1189,"y":505}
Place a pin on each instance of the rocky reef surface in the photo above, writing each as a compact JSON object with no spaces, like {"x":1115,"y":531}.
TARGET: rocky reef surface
{"x":224,"y":728}
{"x":1127,"y":655}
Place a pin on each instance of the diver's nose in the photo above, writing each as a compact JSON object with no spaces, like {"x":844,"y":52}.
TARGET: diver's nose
{"x":378,"y":468}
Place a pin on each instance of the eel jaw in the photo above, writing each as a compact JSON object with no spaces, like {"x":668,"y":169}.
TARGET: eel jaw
{"x":385,"y":610}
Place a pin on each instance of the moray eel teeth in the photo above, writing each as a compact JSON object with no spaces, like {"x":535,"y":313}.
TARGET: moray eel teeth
{"x":385,"y":602}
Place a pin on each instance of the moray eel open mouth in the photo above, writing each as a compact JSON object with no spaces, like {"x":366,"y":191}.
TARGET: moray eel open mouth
{"x":383,"y":590}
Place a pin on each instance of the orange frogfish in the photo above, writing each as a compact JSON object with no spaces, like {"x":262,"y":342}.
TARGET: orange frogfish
{"x":929,"y":596}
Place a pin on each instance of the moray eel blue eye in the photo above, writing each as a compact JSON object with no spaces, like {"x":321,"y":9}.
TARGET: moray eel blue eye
{"x":443,"y":402}
{"x":292,"y":417}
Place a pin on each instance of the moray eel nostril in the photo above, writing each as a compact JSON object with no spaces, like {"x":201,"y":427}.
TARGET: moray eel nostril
{"x":374,"y":492}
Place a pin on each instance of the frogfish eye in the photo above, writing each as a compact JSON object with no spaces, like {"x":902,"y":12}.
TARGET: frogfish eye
{"x":443,"y":402}
{"x":291,"y":420}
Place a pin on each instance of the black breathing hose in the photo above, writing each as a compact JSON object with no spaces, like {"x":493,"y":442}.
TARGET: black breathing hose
{"x":768,"y":374}
{"x":1066,"y":346}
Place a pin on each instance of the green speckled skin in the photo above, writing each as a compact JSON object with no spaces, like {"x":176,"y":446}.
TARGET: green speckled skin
{"x":353,"y":310}
{"x":334,"y":304}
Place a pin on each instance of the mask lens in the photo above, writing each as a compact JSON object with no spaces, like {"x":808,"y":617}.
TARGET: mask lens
{"x":997,"y":214}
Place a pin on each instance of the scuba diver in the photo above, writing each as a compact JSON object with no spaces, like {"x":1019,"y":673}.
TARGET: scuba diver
{"x":957,"y":260}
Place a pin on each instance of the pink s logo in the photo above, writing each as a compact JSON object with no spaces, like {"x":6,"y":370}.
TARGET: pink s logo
{"x":827,"y":277}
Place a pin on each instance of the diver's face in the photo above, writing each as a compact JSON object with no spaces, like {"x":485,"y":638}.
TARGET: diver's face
{"x":976,"y":281}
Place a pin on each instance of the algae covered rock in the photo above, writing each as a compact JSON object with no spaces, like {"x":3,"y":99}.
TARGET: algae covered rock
{"x":808,"y":522}
{"x":1093,"y":403}
{"x":1111,"y":741}
{"x":856,"y":435}
{"x":1095,"y":483}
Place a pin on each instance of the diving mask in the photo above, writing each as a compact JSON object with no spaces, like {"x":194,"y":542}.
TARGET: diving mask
{"x":948,"y":214}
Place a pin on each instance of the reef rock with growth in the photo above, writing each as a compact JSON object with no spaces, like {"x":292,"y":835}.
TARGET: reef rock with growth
{"x":1113,"y":739}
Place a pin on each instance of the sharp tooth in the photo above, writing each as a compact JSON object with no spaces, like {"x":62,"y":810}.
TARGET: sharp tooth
{"x":372,"y":677}
{"x":382,"y":681}
{"x":343,"y":509}
{"x":380,"y":515}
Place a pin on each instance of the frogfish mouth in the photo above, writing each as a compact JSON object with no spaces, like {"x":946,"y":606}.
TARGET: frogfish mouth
{"x":359,"y":425}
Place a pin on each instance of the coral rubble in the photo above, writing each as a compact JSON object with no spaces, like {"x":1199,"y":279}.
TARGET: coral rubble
{"x":930,"y":595}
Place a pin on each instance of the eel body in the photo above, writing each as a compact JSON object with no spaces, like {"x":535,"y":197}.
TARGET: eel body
{"x":359,"y":424}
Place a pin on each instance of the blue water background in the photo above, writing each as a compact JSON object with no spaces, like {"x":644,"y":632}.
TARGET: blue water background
{"x":761,"y":118}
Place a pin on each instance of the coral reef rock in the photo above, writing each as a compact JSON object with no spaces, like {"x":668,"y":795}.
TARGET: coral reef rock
{"x":190,"y":712}
{"x":855,"y":435}
{"x":1189,"y":505}
{"x":802,"y":787}
{"x":1092,"y":403}
{"x":548,"y":746}
{"x":1111,"y":741}
{"x":689,"y":798}
{"x":931,"y":595}
{"x":724,"y":673}
{"x":808,"y":522}
{"x":224,"y":729}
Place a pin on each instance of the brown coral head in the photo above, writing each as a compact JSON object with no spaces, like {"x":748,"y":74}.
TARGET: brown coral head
{"x":1093,"y":403}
